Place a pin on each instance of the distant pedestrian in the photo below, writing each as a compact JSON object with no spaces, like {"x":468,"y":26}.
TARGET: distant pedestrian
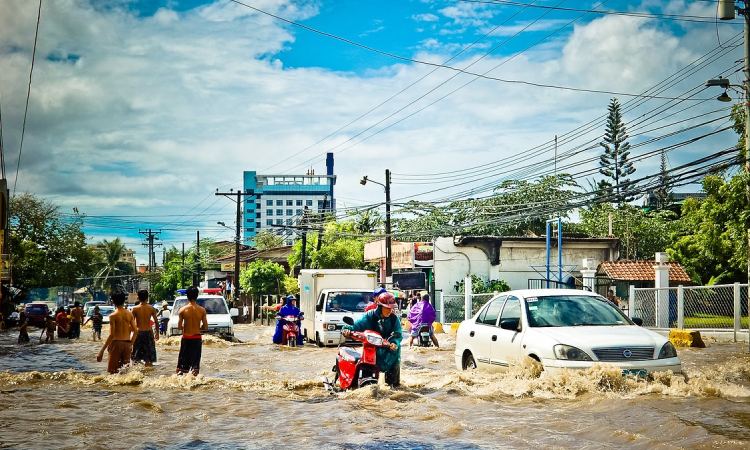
{"x":164,"y":315}
{"x":144,"y":348}
{"x":96,"y":320}
{"x":76,"y":319}
{"x":63,"y":323}
{"x":246,"y":313}
{"x":49,"y":329}
{"x":23,"y":329}
{"x":122,"y":333}
{"x":192,"y":321}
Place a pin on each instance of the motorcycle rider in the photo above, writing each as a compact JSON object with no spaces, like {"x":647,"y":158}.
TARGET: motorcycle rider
{"x":164,"y":314}
{"x":289,"y":309}
{"x":383,"y":320}
{"x":422,"y":313}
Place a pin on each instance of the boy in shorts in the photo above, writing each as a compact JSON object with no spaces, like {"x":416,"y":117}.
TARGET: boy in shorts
{"x":192,"y":321}
{"x":122,"y":333}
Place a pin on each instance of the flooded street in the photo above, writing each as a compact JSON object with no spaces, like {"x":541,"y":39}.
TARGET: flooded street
{"x":256,"y":395}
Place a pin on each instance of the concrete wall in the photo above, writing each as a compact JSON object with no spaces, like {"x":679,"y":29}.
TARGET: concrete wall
{"x":516,"y":257}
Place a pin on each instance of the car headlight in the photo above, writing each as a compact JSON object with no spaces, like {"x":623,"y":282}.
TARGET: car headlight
{"x":375,"y":340}
{"x":668,"y":351}
{"x":570,"y":353}
{"x":329,"y":326}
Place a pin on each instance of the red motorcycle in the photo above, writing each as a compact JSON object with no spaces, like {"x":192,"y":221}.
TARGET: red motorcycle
{"x":354,"y":369}
{"x":290,"y":331}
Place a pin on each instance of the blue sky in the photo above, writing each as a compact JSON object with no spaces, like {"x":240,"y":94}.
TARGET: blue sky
{"x":141,"y":109}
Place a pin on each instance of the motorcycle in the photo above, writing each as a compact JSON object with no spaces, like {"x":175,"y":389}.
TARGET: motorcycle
{"x":424,"y":335}
{"x":290,"y":330}
{"x":354,"y":369}
{"x":163,"y":325}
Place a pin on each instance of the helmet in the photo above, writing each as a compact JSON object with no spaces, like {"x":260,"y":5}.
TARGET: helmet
{"x":387,"y":300}
{"x":379,"y":290}
{"x":289,"y":299}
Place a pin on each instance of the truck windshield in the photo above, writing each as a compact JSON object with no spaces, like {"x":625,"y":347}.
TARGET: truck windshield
{"x":213,"y":305}
{"x":348,"y":301}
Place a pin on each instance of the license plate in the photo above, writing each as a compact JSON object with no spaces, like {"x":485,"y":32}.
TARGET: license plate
{"x":639,"y":373}
{"x":425,"y":334}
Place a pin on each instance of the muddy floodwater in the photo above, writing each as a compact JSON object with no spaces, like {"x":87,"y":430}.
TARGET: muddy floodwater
{"x":256,"y":395}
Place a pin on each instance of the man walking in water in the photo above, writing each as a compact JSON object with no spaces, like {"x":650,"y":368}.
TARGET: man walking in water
{"x":122,"y":333}
{"x":192,"y":321}
{"x":76,"y":318}
{"x":144,"y":348}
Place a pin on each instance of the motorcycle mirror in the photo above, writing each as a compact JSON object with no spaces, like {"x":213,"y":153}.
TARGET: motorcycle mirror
{"x":348,"y":320}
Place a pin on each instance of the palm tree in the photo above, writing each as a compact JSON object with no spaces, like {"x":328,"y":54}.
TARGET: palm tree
{"x":109,"y":263}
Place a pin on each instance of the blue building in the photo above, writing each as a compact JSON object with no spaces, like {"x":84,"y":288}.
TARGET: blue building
{"x":280,"y":201}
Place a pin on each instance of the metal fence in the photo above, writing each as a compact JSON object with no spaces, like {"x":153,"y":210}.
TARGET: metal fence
{"x":452,"y":307}
{"x":720,"y":307}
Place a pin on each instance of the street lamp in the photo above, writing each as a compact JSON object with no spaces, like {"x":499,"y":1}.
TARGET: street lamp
{"x":387,"y":187}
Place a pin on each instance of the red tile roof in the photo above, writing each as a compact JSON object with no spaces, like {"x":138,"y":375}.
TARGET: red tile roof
{"x":641,"y":271}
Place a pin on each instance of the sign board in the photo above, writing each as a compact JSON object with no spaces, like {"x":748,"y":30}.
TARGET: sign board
{"x":229,"y":267}
{"x":402,"y":255}
{"x":409,"y":280}
{"x":424,"y":254}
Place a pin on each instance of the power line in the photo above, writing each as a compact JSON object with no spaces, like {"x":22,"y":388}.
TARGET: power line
{"x":28,"y":94}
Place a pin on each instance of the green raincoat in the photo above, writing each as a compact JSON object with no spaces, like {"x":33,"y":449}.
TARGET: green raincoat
{"x":390,"y":328}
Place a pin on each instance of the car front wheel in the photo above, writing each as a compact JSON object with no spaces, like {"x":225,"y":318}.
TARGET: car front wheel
{"x":469,"y":362}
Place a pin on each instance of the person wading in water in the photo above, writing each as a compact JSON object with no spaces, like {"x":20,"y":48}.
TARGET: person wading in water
{"x":144,"y":348}
{"x":192,"y":321}
{"x":122,"y":332}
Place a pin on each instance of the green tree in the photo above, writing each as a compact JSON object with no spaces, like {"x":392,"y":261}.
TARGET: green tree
{"x":342,"y":247}
{"x":171,"y":278}
{"x":263,"y":277}
{"x":663,"y":192}
{"x":267,"y":239}
{"x":614,"y":163}
{"x":713,"y":245}
{"x":481,"y":286}
{"x":48,"y":248}
{"x":110,"y":267}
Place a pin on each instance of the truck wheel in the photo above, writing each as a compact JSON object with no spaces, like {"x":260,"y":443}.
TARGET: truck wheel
{"x":317,"y":339}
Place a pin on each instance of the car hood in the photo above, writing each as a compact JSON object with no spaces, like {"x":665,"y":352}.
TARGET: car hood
{"x":602,"y":336}
{"x":214,"y":320}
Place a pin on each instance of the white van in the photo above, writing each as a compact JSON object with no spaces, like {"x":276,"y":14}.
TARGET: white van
{"x":327,"y":296}
{"x":218,"y":314}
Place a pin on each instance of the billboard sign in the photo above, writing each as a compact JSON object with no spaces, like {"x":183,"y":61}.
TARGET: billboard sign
{"x":424,"y":254}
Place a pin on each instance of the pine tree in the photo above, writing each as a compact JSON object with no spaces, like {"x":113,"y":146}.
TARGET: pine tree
{"x":663,"y":193}
{"x":614,"y":163}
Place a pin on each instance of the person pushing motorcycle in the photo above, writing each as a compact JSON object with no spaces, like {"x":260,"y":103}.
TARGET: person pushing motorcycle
{"x":384,"y":321}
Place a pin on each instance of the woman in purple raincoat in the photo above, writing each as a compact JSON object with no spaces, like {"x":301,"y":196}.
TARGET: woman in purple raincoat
{"x":422,"y":313}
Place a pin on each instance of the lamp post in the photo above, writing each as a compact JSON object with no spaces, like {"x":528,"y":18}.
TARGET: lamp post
{"x":387,"y":187}
{"x":726,"y":11}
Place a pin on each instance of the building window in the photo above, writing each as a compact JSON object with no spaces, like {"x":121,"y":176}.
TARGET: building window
{"x":299,"y":203}
{"x":289,"y":202}
{"x":288,"y":221}
{"x":289,"y":212}
{"x":279,"y":221}
{"x":269,"y":221}
{"x":269,"y":202}
{"x":320,"y":204}
{"x":257,"y":224}
{"x":257,"y":215}
{"x":299,"y":212}
{"x":279,"y":202}
{"x":289,"y":243}
{"x":269,"y":212}
{"x":279,"y":212}
{"x":308,"y":202}
{"x":250,"y":211}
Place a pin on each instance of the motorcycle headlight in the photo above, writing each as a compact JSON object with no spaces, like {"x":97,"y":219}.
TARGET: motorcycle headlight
{"x":668,"y":351}
{"x":375,"y":340}
{"x":570,"y":353}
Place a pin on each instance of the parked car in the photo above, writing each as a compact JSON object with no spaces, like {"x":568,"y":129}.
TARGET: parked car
{"x":90,"y":305}
{"x":561,"y":329}
{"x":218,"y":315}
{"x":105,"y":311}
{"x":36,"y":313}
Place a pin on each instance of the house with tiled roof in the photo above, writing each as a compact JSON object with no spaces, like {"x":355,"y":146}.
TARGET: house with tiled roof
{"x":640,"y":274}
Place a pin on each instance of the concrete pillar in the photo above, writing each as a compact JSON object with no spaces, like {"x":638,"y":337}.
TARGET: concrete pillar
{"x":661,"y":279}
{"x":631,"y":301}
{"x":680,"y":307}
{"x":737,"y":310}
{"x":467,"y":297}
{"x":588,"y":274}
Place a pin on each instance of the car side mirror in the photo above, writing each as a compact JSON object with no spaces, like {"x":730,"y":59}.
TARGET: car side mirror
{"x":638,"y":321}
{"x":348,"y":320}
{"x":509,"y":324}
{"x":234,"y":312}
{"x":319,"y":308}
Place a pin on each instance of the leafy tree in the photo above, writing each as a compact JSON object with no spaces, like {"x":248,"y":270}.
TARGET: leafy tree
{"x":110,"y":268}
{"x":166,"y":282}
{"x":368,"y":221}
{"x":614,"y":162}
{"x":342,"y":247}
{"x":713,"y":243}
{"x":262,"y":277}
{"x":641,"y":233}
{"x":291,"y":285}
{"x":47,"y":248}
{"x":267,"y":239}
{"x":480,"y":286}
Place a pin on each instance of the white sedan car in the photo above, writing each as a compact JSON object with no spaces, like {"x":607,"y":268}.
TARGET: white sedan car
{"x":562,"y":329}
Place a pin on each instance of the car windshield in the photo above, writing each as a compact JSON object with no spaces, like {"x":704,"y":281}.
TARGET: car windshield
{"x":571,"y":311}
{"x":213,"y":305}
{"x":347,"y":301}
{"x":104,"y":311}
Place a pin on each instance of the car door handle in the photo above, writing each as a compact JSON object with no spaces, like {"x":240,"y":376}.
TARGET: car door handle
{"x":471,"y":334}
{"x":494,"y":338}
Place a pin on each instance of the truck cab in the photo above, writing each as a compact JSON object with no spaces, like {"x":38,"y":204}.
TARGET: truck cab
{"x":329,"y":295}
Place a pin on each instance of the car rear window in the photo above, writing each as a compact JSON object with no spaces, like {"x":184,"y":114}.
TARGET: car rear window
{"x":36,"y":308}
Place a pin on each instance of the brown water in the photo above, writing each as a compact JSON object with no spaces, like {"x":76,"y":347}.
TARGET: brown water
{"x":256,"y":395}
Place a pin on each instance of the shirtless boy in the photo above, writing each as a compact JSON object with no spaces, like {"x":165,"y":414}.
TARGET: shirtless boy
{"x":122,"y":332}
{"x":144,"y":348}
{"x":192,"y":321}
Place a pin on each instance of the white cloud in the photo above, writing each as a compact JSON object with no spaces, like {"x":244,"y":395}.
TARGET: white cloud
{"x":427,"y":17}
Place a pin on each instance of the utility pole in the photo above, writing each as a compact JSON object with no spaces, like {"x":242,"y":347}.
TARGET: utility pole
{"x":182,"y":267}
{"x":388,"y":259}
{"x":239,"y":194}
{"x":197,"y":275}
{"x":151,"y":236}
{"x":304,"y":237}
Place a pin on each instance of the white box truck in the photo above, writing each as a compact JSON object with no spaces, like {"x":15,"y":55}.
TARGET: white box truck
{"x":327,"y":296}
